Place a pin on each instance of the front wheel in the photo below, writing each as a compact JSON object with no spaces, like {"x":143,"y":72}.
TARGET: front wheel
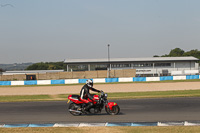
{"x":115,"y":110}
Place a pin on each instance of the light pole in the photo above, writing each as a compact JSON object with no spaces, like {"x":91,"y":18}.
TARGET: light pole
{"x":108,"y":61}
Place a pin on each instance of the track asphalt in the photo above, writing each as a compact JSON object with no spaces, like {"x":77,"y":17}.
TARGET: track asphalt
{"x":135,"y":110}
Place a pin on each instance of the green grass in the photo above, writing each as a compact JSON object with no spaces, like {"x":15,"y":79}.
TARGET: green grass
{"x":25,"y":98}
{"x":155,"y":94}
{"x":121,"y":95}
{"x":151,"y":94}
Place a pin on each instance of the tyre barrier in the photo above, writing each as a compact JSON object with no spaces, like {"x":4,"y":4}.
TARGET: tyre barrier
{"x":108,"y":124}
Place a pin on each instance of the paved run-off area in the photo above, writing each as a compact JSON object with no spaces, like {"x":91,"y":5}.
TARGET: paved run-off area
{"x":118,"y":87}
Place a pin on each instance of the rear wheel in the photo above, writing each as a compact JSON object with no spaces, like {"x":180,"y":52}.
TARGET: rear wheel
{"x":115,"y":110}
{"x":73,"y":109}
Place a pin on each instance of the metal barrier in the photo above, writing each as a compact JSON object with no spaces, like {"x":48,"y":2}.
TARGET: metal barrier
{"x":98,"y":80}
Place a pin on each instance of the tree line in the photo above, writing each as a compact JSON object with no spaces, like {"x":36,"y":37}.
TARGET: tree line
{"x":177,"y":52}
{"x":47,"y":66}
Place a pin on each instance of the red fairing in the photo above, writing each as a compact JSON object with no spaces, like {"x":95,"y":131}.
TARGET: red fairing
{"x":111,"y":104}
{"x":90,"y":100}
{"x":75,"y":100}
{"x":84,"y":100}
{"x":69,"y":97}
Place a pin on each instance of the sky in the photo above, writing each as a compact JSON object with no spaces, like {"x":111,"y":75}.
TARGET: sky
{"x":55,"y":30}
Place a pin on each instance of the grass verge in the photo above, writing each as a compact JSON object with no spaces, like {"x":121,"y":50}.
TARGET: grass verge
{"x":178,"y":129}
{"x":122,"y":95}
{"x":151,"y":94}
{"x":25,"y":98}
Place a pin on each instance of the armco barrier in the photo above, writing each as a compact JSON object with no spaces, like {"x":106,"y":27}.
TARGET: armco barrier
{"x":44,"y":82}
{"x":139,"y":79}
{"x":5,"y":82}
{"x":82,"y":80}
{"x":99,"y":80}
{"x":31,"y":82}
{"x":126,"y":79}
{"x":179,"y":77}
{"x":166,"y":78}
{"x":152,"y":78}
{"x":57,"y":82}
{"x":71,"y":81}
{"x":102,"y":80}
{"x":108,"y":80}
{"x":192,"y":77}
{"x":17,"y":82}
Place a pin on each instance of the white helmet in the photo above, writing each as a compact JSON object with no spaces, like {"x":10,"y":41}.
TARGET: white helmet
{"x":89,"y":83}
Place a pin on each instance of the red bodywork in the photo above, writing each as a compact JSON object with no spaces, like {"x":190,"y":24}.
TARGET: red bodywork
{"x":76,"y":99}
{"x":111,"y":104}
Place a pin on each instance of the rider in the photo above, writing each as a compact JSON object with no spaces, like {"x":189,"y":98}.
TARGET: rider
{"x":85,"y":94}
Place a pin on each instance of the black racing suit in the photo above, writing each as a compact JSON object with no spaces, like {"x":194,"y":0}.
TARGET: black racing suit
{"x":84,"y":94}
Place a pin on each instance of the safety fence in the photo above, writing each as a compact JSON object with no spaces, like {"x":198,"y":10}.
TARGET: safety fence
{"x":98,"y":80}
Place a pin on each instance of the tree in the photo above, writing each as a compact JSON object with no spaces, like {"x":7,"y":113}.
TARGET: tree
{"x":156,"y":56}
{"x":179,"y":52}
{"x":47,"y":66}
{"x":38,"y":66}
{"x":176,"y":52}
{"x":194,"y":53}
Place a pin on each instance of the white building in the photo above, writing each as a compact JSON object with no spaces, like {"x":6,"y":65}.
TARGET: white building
{"x":153,"y":66}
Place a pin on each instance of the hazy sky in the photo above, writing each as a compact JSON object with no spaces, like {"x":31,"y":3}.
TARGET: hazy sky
{"x":53,"y":30}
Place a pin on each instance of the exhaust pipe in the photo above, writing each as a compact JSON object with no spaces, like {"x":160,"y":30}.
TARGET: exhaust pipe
{"x":74,"y":111}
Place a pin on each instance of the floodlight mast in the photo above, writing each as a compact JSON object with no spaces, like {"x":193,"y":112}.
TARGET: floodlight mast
{"x":109,"y":61}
